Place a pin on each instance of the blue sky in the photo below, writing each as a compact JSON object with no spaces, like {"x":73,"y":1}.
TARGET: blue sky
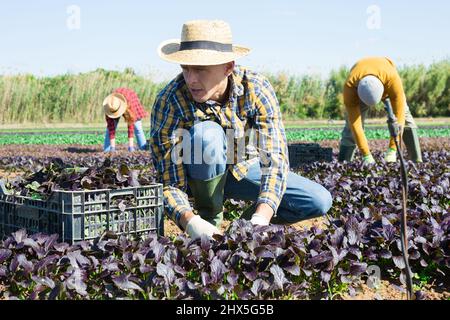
{"x":294,"y":36}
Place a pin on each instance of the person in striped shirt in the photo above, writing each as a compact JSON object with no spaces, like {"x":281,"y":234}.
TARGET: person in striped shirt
{"x":370,"y":81}
{"x":124,"y":102}
{"x":217,"y":133}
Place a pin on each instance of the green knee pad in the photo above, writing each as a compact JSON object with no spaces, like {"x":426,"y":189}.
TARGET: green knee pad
{"x":411,"y":140}
{"x":208,"y":197}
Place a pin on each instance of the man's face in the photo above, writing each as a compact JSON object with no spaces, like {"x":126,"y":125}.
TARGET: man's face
{"x":207,"y":82}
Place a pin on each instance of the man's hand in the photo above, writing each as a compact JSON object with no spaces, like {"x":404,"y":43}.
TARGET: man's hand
{"x":259,"y":220}
{"x":196,"y":227}
{"x":368,"y":159}
{"x":262,"y":215}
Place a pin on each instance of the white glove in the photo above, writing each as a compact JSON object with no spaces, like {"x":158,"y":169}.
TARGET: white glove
{"x":368,"y":159}
{"x":197,"y":227}
{"x":259,"y":220}
{"x":390,"y":155}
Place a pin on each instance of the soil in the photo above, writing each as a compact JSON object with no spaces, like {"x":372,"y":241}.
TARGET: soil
{"x":172,"y":230}
{"x":1,"y":290}
{"x":391,"y":291}
{"x":307,"y":224}
{"x":5,"y":174}
{"x":75,"y":150}
{"x":382,"y":144}
{"x":101,"y":125}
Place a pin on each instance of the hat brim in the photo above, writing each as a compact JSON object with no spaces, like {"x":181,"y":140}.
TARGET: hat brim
{"x":170,"y":51}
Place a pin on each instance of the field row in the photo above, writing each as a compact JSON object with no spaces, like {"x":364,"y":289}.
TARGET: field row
{"x":313,"y":135}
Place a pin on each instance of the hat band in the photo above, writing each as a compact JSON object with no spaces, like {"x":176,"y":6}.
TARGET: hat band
{"x":206,"y":45}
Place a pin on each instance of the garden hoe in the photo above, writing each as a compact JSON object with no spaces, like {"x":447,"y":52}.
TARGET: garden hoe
{"x":395,"y":133}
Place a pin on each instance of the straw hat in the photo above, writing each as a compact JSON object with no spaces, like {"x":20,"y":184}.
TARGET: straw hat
{"x":203,"y":43}
{"x":115,"y":105}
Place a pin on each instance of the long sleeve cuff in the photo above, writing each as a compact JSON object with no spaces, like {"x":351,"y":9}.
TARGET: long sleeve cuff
{"x":270,"y":198}
{"x":176,"y":203}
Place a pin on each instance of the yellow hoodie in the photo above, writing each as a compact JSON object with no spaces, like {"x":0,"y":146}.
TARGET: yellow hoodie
{"x":384,"y":69}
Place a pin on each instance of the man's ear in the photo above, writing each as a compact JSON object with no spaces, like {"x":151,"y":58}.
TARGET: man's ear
{"x":229,"y":67}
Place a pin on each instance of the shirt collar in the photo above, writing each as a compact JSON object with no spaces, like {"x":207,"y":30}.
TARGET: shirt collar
{"x":236,"y":84}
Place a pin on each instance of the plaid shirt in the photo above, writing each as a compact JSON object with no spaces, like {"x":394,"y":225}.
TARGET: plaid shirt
{"x":134,"y":111}
{"x":252,"y":103}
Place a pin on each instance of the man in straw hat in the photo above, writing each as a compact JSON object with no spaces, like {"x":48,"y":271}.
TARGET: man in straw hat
{"x":124,"y":102}
{"x":370,"y":81}
{"x":207,"y":111}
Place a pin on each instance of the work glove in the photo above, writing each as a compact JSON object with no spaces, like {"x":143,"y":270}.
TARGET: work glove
{"x":390,"y":155}
{"x":197,"y":227}
{"x":259,"y":220}
{"x":131,"y":149}
{"x":368,"y":159}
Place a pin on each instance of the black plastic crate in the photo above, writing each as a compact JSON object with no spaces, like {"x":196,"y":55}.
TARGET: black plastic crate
{"x":86,"y":215}
{"x":22,"y":212}
{"x":302,"y":153}
{"x":326,"y":154}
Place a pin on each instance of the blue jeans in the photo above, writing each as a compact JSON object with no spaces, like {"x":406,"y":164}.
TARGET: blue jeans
{"x":303,"y":199}
{"x":138,"y":132}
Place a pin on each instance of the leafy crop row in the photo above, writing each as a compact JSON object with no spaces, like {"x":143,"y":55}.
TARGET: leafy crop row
{"x":292,"y":135}
{"x":275,"y":262}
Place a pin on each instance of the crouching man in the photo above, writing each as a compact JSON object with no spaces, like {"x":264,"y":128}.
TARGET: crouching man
{"x":209,"y":99}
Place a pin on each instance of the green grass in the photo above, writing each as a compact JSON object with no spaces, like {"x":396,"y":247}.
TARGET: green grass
{"x":121,"y":137}
{"x":77,"y":98}
{"x":70,"y":98}
{"x":289,"y":125}
{"x":44,"y":130}
{"x":441,"y":123}
{"x":327,"y":134}
{"x":100,"y":128}
{"x":83,"y":139}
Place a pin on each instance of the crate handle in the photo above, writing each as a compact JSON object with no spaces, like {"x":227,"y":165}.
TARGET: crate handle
{"x":3,"y":189}
{"x":118,"y":192}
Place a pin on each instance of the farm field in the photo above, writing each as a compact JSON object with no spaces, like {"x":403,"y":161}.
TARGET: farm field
{"x":332,"y":257}
{"x":292,"y":134}
{"x":78,"y":223}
